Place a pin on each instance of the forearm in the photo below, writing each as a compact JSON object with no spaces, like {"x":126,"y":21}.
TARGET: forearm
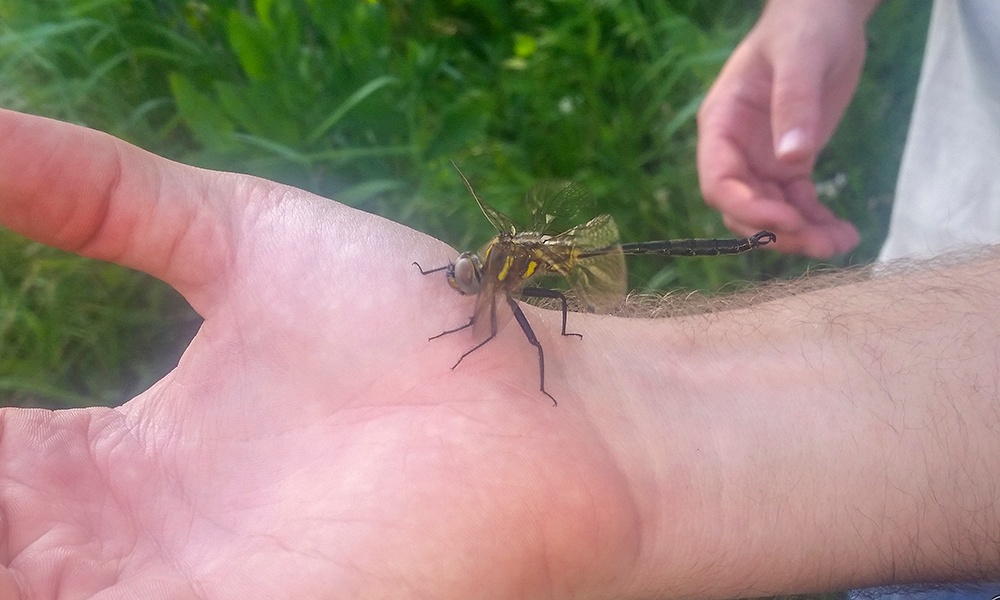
{"x":828,"y":440}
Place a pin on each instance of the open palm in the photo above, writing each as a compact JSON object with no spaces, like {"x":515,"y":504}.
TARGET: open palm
{"x":311,"y":442}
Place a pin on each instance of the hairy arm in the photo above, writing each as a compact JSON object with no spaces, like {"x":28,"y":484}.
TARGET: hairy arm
{"x":831,"y":439}
{"x":312,"y":439}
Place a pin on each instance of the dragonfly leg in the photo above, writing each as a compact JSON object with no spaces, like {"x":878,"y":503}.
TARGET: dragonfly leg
{"x":474,"y":348}
{"x":447,"y":331}
{"x":533,"y":292}
{"x":493,"y":332}
{"x":429,"y":271}
{"x":522,"y":320}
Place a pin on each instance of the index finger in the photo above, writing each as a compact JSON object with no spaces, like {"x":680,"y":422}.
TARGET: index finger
{"x":89,"y":193}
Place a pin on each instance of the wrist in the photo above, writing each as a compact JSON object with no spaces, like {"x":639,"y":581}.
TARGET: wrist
{"x":857,"y":11}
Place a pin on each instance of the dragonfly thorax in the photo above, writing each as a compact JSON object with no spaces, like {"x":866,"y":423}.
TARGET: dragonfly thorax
{"x":466,"y":274}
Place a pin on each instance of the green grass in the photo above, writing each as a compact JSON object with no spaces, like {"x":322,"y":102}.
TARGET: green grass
{"x":367,"y":102}
{"x":71,"y":328}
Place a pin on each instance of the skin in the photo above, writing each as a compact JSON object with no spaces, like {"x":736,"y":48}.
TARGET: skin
{"x":311,"y":442}
{"x":773,"y":107}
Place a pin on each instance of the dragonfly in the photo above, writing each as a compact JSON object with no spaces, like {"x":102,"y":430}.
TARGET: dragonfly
{"x":589,"y":256}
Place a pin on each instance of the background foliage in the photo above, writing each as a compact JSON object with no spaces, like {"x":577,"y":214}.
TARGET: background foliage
{"x":366,"y":102}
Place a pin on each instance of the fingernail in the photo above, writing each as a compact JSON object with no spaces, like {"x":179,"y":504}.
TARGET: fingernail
{"x":792,"y":142}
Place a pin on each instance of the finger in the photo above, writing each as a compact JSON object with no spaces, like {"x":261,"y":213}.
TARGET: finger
{"x":728,"y":182}
{"x":801,"y":193}
{"x":811,"y":228}
{"x":752,"y":210}
{"x":795,"y":110}
{"x":750,"y":207}
{"x":839,"y":235}
{"x":822,"y":242}
{"x":89,"y":193}
{"x":815,"y":241}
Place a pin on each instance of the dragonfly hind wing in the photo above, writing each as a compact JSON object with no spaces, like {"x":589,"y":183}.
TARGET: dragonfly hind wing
{"x":599,"y":280}
{"x":597,"y":270}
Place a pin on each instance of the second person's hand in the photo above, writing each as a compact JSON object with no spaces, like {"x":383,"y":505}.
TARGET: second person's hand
{"x":775,"y":104}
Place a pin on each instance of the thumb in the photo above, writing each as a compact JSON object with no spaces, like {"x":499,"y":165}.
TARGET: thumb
{"x":795,"y":110}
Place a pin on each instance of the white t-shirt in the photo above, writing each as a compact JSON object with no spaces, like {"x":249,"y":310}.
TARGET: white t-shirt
{"x":948,"y":191}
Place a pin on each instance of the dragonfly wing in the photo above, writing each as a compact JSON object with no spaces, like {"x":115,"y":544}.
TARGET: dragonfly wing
{"x":600,"y":281}
{"x":556,"y":205}
{"x":597,"y":273}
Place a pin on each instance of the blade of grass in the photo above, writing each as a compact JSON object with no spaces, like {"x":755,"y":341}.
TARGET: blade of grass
{"x":345,"y":107}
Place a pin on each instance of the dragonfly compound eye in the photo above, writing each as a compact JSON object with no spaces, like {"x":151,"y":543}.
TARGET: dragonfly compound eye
{"x":465,"y":275}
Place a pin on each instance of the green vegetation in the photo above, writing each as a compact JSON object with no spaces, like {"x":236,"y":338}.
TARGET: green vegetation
{"x":366,"y":102}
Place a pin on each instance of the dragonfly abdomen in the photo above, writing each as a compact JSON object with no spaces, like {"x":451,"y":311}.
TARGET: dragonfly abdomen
{"x":699,"y":247}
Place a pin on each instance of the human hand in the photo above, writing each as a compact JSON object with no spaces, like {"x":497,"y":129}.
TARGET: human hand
{"x":311,"y":442}
{"x":775,"y":104}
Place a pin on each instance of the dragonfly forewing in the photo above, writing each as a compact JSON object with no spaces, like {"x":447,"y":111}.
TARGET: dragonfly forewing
{"x":556,"y":205}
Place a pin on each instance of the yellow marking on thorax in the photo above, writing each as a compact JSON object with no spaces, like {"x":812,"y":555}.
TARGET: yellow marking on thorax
{"x":507,"y":262}
{"x":532,"y":265}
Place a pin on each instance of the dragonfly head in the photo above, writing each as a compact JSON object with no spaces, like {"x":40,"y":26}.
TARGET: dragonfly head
{"x":466,"y":274}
